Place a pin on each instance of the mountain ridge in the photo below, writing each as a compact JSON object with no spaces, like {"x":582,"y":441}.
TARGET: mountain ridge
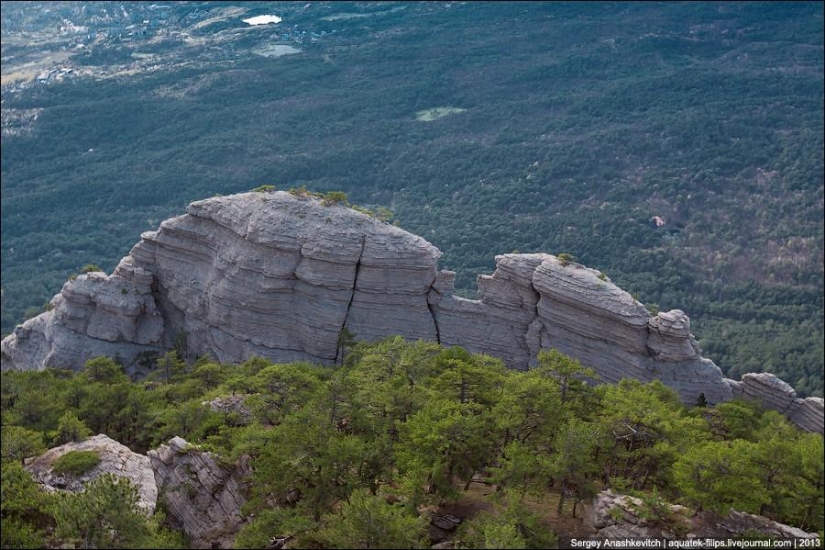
{"x":281,"y":275}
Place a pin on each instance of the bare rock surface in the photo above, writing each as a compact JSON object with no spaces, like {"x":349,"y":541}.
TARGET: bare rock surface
{"x":115,"y":459}
{"x":498,"y":323}
{"x":617,"y":516}
{"x":203,"y":498}
{"x":778,"y":395}
{"x":231,"y":404}
{"x":94,"y":315}
{"x":741,"y":523}
{"x":280,"y":276}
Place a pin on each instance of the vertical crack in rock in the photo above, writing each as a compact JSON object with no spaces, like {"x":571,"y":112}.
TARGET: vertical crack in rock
{"x":533,"y":351}
{"x":432,"y":314}
{"x":232,"y":273}
{"x":352,"y":296}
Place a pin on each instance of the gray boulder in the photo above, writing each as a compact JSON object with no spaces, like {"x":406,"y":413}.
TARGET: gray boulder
{"x":115,"y":459}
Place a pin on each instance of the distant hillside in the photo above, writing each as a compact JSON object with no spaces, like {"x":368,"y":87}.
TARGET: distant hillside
{"x":677,"y":147}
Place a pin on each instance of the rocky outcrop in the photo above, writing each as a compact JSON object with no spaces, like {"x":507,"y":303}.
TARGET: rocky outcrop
{"x":281,"y":276}
{"x":202,"y":497}
{"x":497,"y":323}
{"x":536,"y":301}
{"x":616,"y":516}
{"x":442,"y":526}
{"x":94,"y":315}
{"x":115,"y":459}
{"x":776,"y":394}
{"x":231,"y":405}
{"x":738,"y":524}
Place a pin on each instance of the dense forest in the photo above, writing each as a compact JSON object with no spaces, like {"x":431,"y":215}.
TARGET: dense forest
{"x":413,"y":421}
{"x":567,"y":127}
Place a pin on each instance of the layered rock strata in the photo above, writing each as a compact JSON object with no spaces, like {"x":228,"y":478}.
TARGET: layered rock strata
{"x":281,"y":276}
{"x":115,"y":459}
{"x":203,"y":498}
{"x":775,"y":394}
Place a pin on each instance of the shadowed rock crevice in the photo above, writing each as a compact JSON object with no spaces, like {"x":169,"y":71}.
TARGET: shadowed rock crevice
{"x":435,"y":319}
{"x":352,"y":296}
{"x":280,"y":276}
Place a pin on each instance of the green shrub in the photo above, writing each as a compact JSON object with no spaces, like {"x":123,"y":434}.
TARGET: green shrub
{"x":76,"y":463}
{"x":70,"y":428}
{"x":30,"y":312}
{"x":616,"y":513}
{"x":303,"y":192}
{"x":264,"y":189}
{"x":384,"y":214}
{"x":88,"y":268}
{"x":335,"y":197}
{"x":566,"y":258}
{"x":363,"y":210}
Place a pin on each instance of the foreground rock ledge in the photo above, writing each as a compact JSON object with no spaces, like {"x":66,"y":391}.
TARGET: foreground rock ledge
{"x":280,"y":276}
{"x":617,"y":516}
{"x":202,"y":496}
{"x":115,"y":458}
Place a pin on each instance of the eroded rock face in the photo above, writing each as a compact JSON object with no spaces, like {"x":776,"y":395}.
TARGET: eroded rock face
{"x":617,"y":516}
{"x":115,"y":459}
{"x":535,"y":301}
{"x":498,"y":323}
{"x":279,"y":276}
{"x":94,"y":315}
{"x":203,"y":497}
{"x":776,"y":394}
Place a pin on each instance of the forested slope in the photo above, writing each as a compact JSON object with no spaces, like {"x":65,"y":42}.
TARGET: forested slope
{"x":410,"y":423}
{"x":580,"y":123}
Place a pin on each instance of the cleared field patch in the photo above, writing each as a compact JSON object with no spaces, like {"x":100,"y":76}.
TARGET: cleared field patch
{"x":276,"y":50}
{"x":345,"y":16}
{"x":437,"y":112}
{"x":29,"y":70}
{"x":219,"y":14}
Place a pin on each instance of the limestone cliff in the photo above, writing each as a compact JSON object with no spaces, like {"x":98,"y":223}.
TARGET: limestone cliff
{"x":280,"y":276}
{"x":775,"y":394}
